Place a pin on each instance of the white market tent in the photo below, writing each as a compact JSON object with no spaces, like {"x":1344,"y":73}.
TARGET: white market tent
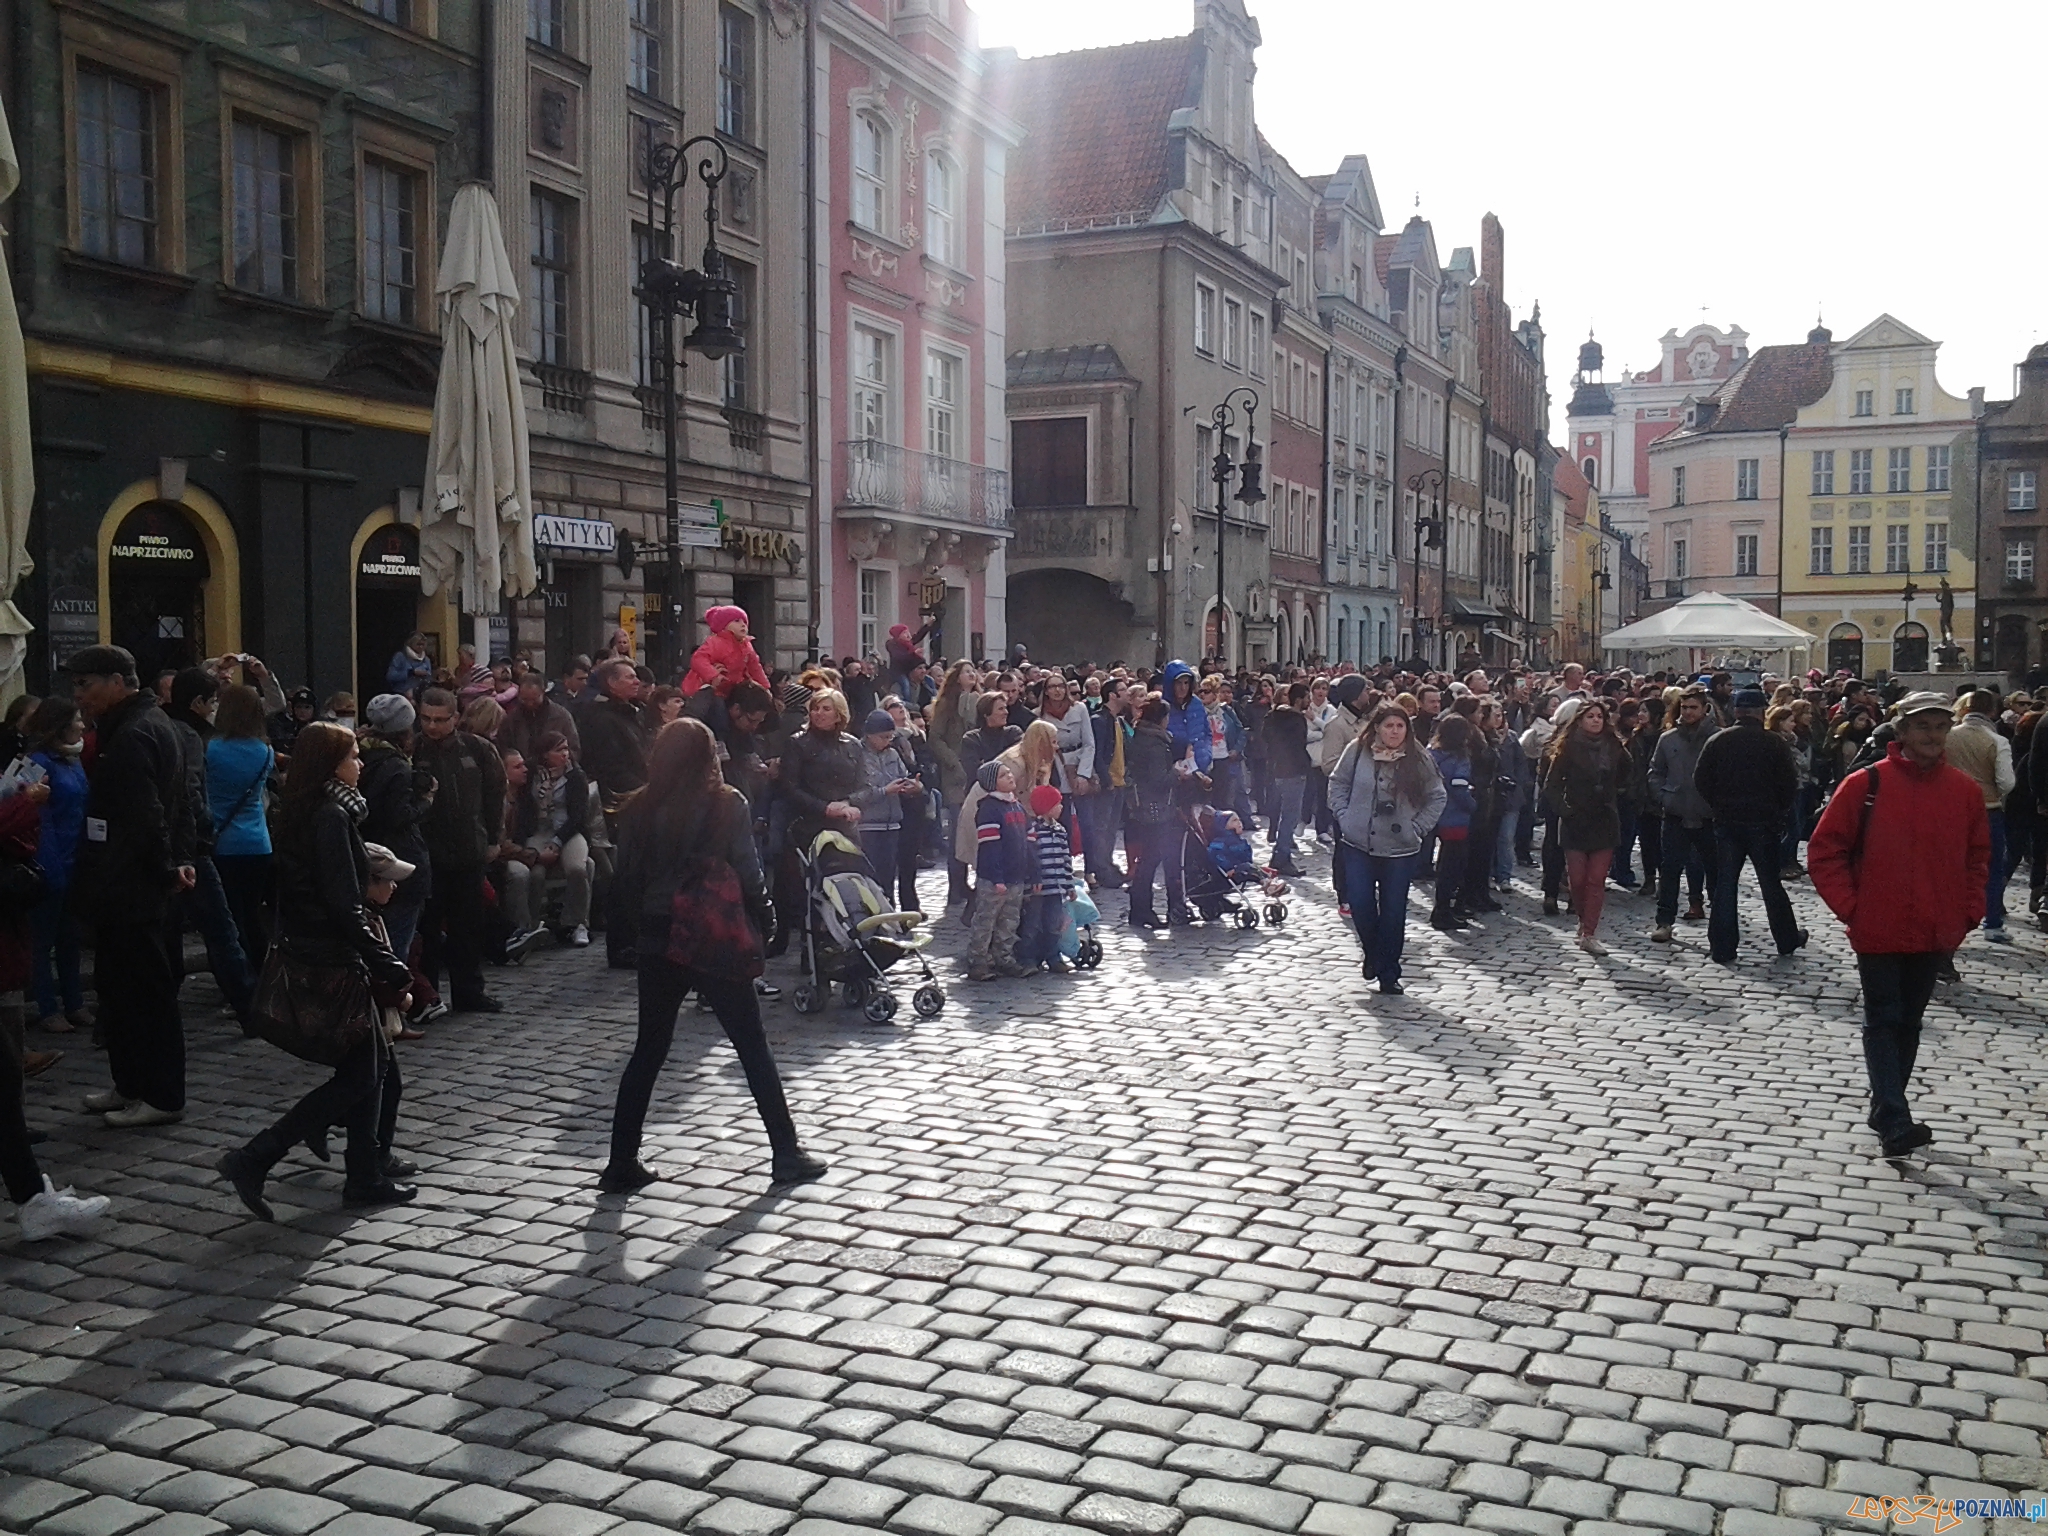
{"x":1708,"y":621}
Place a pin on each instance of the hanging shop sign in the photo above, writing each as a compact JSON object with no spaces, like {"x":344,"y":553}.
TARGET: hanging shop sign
{"x":586,"y":533}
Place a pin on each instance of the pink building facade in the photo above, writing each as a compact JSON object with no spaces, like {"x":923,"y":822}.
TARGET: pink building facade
{"x":912,"y":439}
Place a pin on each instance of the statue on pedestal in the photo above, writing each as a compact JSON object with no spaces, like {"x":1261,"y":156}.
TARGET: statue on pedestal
{"x":1948,"y":615}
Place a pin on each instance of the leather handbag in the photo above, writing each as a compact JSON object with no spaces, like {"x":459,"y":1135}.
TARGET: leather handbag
{"x":22,"y":886}
{"x":708,"y":928}
{"x":317,"y":1012}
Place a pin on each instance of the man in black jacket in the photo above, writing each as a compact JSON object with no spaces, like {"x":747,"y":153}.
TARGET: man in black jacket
{"x":1747,"y":776}
{"x":134,"y":856}
{"x":614,"y":734}
{"x":400,"y":798}
{"x":462,"y":832}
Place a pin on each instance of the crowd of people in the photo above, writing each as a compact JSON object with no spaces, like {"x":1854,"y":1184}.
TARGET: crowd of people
{"x":354,"y":875}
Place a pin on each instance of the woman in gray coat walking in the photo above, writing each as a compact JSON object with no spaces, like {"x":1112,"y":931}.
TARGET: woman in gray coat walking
{"x":1386,"y":796}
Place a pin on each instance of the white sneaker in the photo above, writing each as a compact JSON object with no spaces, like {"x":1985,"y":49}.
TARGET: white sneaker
{"x":141,"y":1114}
{"x":101,"y":1103}
{"x":1344,"y":910}
{"x":579,"y":936}
{"x":55,"y":1213}
{"x":1591,"y":945}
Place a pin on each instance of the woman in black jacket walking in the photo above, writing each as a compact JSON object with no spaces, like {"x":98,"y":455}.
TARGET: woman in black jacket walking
{"x":323,"y":880}
{"x":687,"y":814}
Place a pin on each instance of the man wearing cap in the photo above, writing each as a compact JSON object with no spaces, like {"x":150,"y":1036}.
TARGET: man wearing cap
{"x":134,"y":856}
{"x":1901,"y":856}
{"x":1748,"y":779}
{"x":1976,"y":747}
{"x":888,"y":776}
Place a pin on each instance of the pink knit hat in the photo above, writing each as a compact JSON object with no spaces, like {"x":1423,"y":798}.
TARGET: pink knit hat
{"x":723,"y":617}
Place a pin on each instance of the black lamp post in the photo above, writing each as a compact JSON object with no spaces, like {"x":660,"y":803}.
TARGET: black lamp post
{"x":1429,"y":534}
{"x":1250,"y":491}
{"x":669,"y":289}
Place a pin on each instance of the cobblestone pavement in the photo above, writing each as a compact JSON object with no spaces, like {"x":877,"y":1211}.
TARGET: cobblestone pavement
{"x":1209,"y":1242}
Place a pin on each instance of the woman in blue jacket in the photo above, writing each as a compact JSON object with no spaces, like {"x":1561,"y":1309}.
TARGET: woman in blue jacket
{"x":1451,"y":751}
{"x":56,"y":741}
{"x":1187,"y":718}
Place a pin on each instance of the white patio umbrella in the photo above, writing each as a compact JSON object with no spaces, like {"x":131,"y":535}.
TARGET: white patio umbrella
{"x":17,"y":466}
{"x":476,"y":515}
{"x":1707,"y":621}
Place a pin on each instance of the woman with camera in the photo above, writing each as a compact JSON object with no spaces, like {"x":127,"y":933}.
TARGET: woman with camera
{"x":1386,"y":796}
{"x":329,"y":956}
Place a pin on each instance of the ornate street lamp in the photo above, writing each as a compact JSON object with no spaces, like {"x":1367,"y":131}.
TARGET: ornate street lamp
{"x":669,"y":290}
{"x":1249,"y":475}
{"x":1429,"y":534}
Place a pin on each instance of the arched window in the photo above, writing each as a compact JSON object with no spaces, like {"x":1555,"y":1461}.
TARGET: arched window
{"x":1592,"y":469}
{"x":941,"y":209}
{"x":1909,"y":648}
{"x":870,"y":172}
{"x":1845,"y":649}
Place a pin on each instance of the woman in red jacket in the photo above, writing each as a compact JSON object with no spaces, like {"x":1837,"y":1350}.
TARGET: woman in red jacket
{"x":1901,"y":856}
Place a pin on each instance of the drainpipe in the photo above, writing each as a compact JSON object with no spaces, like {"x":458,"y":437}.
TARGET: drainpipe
{"x":1165,"y":481}
{"x":1323,"y":618}
{"x":816,"y":512}
{"x":1784,"y":433}
{"x":1443,"y":591}
{"x":487,"y":74}
{"x":1394,"y":513}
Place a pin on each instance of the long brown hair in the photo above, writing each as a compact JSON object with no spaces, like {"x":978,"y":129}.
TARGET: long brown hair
{"x":241,"y":713}
{"x":1412,"y":772}
{"x":1565,"y":740}
{"x":321,"y":747}
{"x":685,"y":789}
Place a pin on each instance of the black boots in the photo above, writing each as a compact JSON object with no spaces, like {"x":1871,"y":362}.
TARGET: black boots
{"x":793,"y":1165}
{"x":245,"y":1169}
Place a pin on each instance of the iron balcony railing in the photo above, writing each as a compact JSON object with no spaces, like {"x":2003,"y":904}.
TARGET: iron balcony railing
{"x":886,"y":477}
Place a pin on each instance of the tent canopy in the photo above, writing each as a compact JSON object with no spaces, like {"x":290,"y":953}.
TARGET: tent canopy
{"x":1707,"y":621}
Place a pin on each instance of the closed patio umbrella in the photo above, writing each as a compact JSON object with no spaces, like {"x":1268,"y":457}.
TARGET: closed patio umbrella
{"x":17,"y":466}
{"x":476,"y":515}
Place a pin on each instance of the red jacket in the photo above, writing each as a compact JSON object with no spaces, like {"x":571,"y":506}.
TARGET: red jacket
{"x":1919,"y":887}
{"x":727,"y":650}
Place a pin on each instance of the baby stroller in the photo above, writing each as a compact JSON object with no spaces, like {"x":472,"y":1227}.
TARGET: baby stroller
{"x":1214,"y":891}
{"x":852,"y":935}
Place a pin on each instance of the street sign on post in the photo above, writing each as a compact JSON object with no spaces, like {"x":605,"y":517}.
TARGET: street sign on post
{"x":696,"y":526}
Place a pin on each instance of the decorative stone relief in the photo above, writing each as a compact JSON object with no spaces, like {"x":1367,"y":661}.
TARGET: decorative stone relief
{"x":878,"y":261}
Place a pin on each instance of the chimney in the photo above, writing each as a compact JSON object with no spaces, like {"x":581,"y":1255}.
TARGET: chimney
{"x":1493,"y":255}
{"x":1976,"y":402}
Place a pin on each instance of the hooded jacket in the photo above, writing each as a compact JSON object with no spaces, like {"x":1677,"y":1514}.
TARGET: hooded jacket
{"x":1918,"y":885}
{"x":1187,"y":724}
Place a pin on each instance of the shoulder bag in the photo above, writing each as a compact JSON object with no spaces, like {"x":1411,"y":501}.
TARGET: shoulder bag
{"x":708,"y":928}
{"x":317,"y":1012}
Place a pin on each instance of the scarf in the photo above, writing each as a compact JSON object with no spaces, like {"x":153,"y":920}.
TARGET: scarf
{"x":350,"y":799}
{"x":1116,"y":753}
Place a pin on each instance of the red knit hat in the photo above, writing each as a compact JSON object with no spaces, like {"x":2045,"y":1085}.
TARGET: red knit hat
{"x":718,"y":619}
{"x":1044,"y":800}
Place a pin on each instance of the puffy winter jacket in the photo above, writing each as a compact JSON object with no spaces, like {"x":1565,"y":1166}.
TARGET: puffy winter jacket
{"x":1918,"y":886}
{"x":1460,"y":802}
{"x":1187,"y":724}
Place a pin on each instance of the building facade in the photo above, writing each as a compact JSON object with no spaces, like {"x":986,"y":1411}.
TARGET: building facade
{"x":1297,"y":457}
{"x":584,"y":89}
{"x":913,"y":439}
{"x":1879,"y":561}
{"x":1611,"y":425}
{"x":1359,"y":568}
{"x":1143,"y":230}
{"x":223,"y":251}
{"x":2001,"y":469}
{"x":1716,"y":484}
{"x":1424,"y":379}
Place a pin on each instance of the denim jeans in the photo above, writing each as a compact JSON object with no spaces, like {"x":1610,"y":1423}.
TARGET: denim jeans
{"x":1154,"y":846}
{"x":1734,"y":846}
{"x":1042,"y":921}
{"x":1688,"y":851}
{"x":1315,"y":803}
{"x":1994,"y":884}
{"x":1895,"y":993}
{"x":54,"y":933}
{"x":1623,"y":872}
{"x":1377,"y":889}
{"x":207,"y":905}
{"x":1101,"y":814}
{"x":1283,"y":799}
{"x":247,"y":879}
{"x":881,"y":846}
{"x":1504,"y":842}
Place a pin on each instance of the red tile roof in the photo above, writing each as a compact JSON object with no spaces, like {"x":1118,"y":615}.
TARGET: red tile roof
{"x":1768,"y":391}
{"x":1568,"y":480}
{"x":1383,"y":255}
{"x":1095,"y":148}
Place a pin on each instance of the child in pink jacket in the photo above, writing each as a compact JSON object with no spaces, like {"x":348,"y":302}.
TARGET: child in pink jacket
{"x":729,"y":649}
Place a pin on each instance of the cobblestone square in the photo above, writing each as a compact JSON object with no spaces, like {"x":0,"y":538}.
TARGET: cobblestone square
{"x":1210,"y":1241}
